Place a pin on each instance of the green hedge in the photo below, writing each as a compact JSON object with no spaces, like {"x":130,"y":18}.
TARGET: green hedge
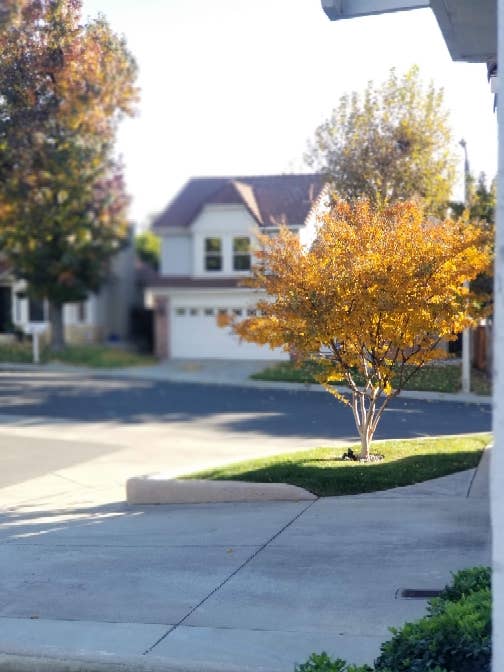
{"x":455,"y":636}
{"x":321,"y":662}
{"x":465,"y":582}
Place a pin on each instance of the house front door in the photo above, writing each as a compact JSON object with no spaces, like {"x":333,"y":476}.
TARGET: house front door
{"x":5,"y":309}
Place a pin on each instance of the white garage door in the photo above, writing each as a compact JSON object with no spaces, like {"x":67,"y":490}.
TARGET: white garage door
{"x":194,"y":334}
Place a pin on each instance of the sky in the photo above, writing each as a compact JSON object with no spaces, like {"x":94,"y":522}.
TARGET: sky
{"x":238,"y":87}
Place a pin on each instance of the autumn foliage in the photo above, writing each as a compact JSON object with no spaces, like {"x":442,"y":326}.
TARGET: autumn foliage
{"x":375,"y":295}
{"x":64,"y":86}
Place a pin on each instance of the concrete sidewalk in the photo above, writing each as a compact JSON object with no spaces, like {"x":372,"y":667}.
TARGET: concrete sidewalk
{"x":223,"y":372}
{"x":227,"y":587}
{"x":90,"y":583}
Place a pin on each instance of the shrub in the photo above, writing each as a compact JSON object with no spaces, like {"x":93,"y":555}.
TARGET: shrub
{"x":455,"y":636}
{"x":467,"y":581}
{"x":321,"y":662}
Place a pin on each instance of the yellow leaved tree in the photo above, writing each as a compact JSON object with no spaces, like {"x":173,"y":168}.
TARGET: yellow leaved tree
{"x":372,"y":299}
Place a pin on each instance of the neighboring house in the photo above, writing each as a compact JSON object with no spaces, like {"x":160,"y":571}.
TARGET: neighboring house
{"x":101,"y":316}
{"x":207,"y":235}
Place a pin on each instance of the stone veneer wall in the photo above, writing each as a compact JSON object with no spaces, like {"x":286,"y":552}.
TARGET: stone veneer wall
{"x":76,"y":334}
{"x":81,"y":334}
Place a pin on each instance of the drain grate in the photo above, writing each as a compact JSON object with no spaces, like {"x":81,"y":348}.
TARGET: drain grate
{"x":418,"y":593}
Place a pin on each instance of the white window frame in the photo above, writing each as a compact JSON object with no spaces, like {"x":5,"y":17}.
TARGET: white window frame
{"x":213,"y":254}
{"x":240,"y":254}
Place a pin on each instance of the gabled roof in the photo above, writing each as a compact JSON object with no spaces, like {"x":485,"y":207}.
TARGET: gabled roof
{"x":271,"y":199}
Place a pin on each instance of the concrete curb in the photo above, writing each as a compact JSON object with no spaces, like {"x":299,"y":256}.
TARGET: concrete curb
{"x":157,"y":375}
{"x":480,"y":483}
{"x":33,"y":661}
{"x":158,"y":489}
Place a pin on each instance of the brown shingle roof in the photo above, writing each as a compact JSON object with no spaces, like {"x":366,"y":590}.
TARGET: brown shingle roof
{"x":186,"y":282}
{"x":270,"y":199}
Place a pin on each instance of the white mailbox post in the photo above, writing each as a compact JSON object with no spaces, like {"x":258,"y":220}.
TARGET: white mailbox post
{"x":36,"y":329}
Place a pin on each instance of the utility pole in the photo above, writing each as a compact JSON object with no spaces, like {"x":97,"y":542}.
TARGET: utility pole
{"x":466,"y":334}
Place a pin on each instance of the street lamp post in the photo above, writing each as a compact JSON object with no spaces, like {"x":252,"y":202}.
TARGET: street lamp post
{"x":466,"y":334}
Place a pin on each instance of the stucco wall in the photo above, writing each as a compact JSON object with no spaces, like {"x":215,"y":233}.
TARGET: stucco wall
{"x":176,"y":255}
{"x":117,"y":296}
{"x":225,"y":222}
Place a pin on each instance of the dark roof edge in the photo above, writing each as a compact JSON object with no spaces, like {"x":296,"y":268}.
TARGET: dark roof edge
{"x":186,"y":282}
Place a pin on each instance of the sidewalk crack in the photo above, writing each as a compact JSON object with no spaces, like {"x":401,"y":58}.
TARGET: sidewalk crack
{"x":228,"y":578}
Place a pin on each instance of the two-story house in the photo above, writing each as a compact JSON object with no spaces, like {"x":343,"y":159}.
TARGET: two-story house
{"x":207,"y":235}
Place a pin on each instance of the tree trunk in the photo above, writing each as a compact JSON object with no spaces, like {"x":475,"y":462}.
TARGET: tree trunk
{"x":57,"y":330}
{"x":366,"y":419}
{"x":365,"y":445}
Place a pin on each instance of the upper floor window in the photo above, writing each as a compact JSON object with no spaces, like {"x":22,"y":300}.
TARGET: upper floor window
{"x":241,"y":253}
{"x":213,"y":254}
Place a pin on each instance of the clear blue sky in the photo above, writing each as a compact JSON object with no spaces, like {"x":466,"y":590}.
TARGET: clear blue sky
{"x":238,"y":86}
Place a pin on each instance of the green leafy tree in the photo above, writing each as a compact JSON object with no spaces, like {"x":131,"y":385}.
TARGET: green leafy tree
{"x":391,"y":143}
{"x":481,"y":204}
{"x":481,"y":197}
{"x":63,"y":88}
{"x":483,"y":200}
{"x":148,"y":248}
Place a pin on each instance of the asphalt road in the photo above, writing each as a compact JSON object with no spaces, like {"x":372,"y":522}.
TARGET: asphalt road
{"x":86,"y":433}
{"x":274,"y":413}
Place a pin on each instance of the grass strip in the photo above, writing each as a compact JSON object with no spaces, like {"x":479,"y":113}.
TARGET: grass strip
{"x":323,"y":472}
{"x":433,"y":378}
{"x":94,"y":356}
{"x":99,"y":356}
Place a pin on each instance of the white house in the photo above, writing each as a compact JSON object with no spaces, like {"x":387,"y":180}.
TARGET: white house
{"x":208,"y":233}
{"x":101,"y":316}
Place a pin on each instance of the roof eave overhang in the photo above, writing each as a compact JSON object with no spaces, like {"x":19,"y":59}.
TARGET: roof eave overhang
{"x":469,"y":29}
{"x":350,"y":9}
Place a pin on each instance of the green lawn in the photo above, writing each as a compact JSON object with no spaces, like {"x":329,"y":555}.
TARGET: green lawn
{"x":16,"y":353}
{"x":99,"y":356}
{"x":434,"y":378}
{"x":323,"y":472}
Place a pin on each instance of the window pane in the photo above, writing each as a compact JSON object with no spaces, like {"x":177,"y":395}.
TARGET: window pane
{"x":212,"y":244}
{"x":213,"y":263}
{"x":241,"y":262}
{"x":241,"y":244}
{"x":36,"y":310}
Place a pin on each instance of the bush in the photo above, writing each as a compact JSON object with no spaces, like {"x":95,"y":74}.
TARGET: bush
{"x":456,"y":636}
{"x":467,"y":581}
{"x":321,"y":662}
